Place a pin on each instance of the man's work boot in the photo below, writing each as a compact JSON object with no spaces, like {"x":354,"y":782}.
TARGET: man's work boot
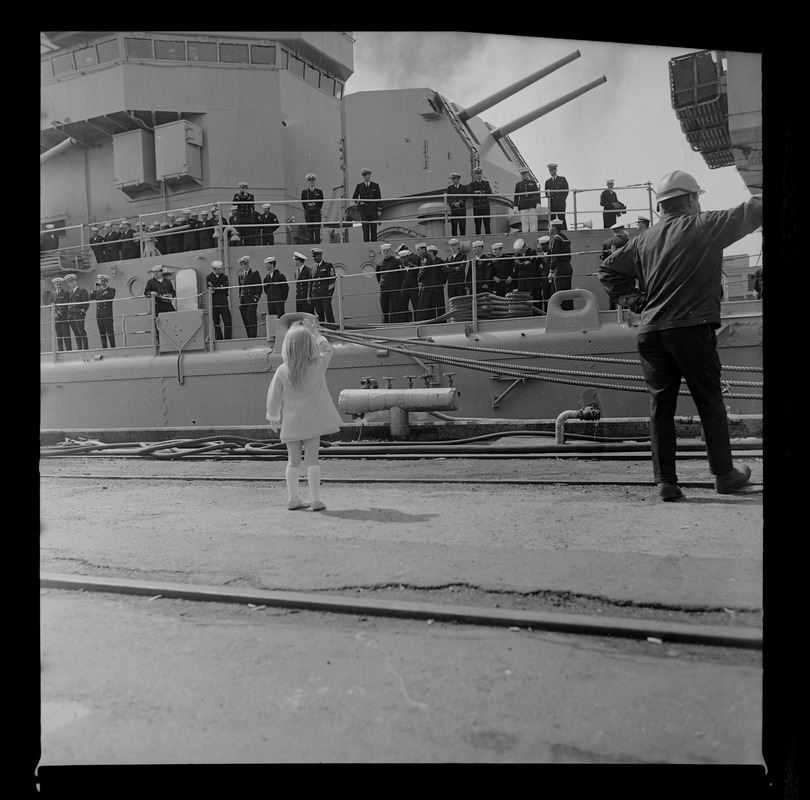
{"x":731,"y":481}
{"x":670,"y":491}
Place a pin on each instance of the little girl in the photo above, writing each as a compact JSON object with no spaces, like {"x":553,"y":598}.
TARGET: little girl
{"x":299,"y":403}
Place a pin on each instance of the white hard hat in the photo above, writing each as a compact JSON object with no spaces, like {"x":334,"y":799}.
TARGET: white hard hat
{"x":676,"y":183}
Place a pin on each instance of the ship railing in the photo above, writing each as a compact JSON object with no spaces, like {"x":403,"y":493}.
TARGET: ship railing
{"x":292,"y":231}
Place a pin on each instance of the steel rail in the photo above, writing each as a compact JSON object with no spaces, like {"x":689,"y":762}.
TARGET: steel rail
{"x":661,"y":631}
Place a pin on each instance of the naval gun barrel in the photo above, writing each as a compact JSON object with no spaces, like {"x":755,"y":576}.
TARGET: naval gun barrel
{"x":493,"y":99}
{"x":56,"y":150}
{"x":497,"y":133}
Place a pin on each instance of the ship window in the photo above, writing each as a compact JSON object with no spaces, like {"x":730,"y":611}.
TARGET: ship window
{"x":312,"y":75}
{"x":328,"y":85}
{"x":170,"y":50}
{"x":63,"y":63}
{"x":86,"y":57}
{"x":296,"y":66}
{"x":338,"y":90}
{"x":259,"y":54}
{"x":138,"y":48}
{"x":282,"y":58}
{"x":47,"y":69}
{"x":233,"y":53}
{"x":202,"y":51}
{"x":108,"y":51}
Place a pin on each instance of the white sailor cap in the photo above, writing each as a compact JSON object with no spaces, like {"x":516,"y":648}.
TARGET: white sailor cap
{"x":156,"y":268}
{"x":525,"y":171}
{"x":299,"y":256}
{"x":556,"y":221}
{"x":217,"y":264}
{"x":610,"y":180}
{"x":180,"y":218}
{"x":214,"y":208}
{"x":311,"y":176}
{"x":242,"y":183}
{"x":455,"y":175}
{"x":265,"y":205}
{"x":616,"y":225}
{"x":433,"y":248}
{"x":243,"y":260}
{"x":421,"y":246}
{"x":94,"y":229}
{"x":477,"y":243}
{"x":403,"y":251}
{"x":497,"y":246}
{"x":102,"y":277}
{"x":314,"y":250}
{"x":57,"y":279}
{"x":543,"y":239}
{"x":49,"y":226}
{"x":70,"y":277}
{"x":452,"y":241}
{"x":270,"y":260}
{"x":365,"y":171}
{"x":385,"y":247}
{"x":552,"y":165}
{"x":518,"y":244}
{"x":194,"y":214}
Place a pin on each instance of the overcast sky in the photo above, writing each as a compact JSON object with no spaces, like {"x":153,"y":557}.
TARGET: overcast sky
{"x":624,"y":129}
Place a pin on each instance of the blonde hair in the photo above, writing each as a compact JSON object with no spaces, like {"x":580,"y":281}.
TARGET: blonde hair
{"x":298,"y":351}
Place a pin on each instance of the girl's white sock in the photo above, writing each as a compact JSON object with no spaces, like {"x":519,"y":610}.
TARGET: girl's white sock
{"x":314,"y":480}
{"x":292,"y":474}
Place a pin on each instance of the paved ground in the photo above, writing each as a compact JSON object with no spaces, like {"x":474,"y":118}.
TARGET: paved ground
{"x":134,"y":680}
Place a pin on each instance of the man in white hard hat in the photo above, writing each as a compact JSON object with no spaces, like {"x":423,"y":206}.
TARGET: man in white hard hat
{"x":217,"y":282}
{"x":679,"y":262}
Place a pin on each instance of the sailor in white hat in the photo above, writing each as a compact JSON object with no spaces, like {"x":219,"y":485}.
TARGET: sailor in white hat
{"x":302,"y":275}
{"x":480,"y":267}
{"x":611,"y":207}
{"x":76,"y":311}
{"x":501,"y":271}
{"x":557,"y":191}
{"x":456,"y":195}
{"x":526,"y":199}
{"x":409,"y":290}
{"x":269,"y":225}
{"x":456,"y":268}
{"x":480,"y":190}
{"x":323,"y":286}
{"x":389,"y":277}
{"x":217,"y":282}
{"x":312,"y":202}
{"x":368,"y":196}
{"x":59,"y":297}
{"x":162,"y":292}
{"x":275,"y":287}
{"x":104,"y":294}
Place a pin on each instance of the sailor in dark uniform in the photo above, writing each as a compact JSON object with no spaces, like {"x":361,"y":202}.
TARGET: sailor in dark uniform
{"x":244,"y":211}
{"x":455,"y":269}
{"x":275,"y":287}
{"x":269,"y":225}
{"x":103,"y":293}
{"x":561,"y":269}
{"x":312,"y":201}
{"x":97,"y":246}
{"x":77,"y":310}
{"x":191,"y":238}
{"x":48,"y":240}
{"x":302,"y":275}
{"x":250,"y":290}
{"x":480,"y":190}
{"x":610,"y":203}
{"x":129,"y":244}
{"x":439,"y":261}
{"x":480,"y":267}
{"x":543,"y":269}
{"x":431,"y":285}
{"x":527,"y":197}
{"x":557,"y":191}
{"x":217,"y":282}
{"x":409,"y":290}
{"x":456,"y":194}
{"x":323,"y":286}
{"x":642,"y":223}
{"x":59,"y":297}
{"x":162,"y":292}
{"x":368,"y":196}
{"x":502,"y":270}
{"x":389,"y":277}
{"x":205,"y":228}
{"x":174,"y":240}
{"x":112,"y":243}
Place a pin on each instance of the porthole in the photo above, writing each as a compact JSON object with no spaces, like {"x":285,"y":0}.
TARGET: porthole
{"x":136,"y":286}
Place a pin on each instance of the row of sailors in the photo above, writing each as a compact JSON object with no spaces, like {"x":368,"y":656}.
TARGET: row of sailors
{"x":182,"y":232}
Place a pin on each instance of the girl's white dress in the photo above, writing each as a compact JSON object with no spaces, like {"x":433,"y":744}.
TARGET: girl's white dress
{"x":306,"y":411}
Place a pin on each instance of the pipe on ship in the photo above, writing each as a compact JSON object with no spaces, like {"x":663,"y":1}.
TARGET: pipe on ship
{"x":57,"y":150}
{"x":497,"y":133}
{"x":493,"y":99}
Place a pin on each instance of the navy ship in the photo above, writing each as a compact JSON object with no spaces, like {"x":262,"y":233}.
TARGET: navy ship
{"x":154,"y":129}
